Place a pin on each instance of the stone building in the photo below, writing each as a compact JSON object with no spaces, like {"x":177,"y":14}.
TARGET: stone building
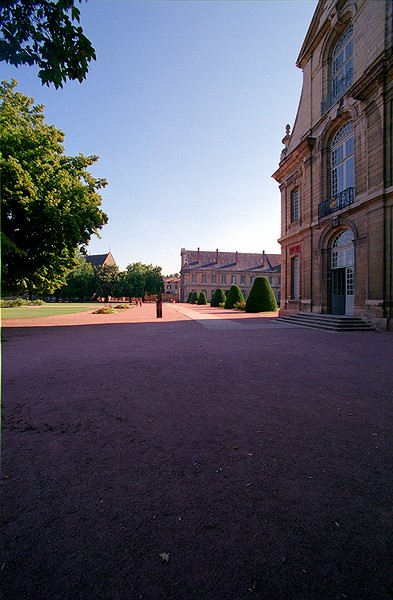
{"x":335,"y":172}
{"x":206,"y":271}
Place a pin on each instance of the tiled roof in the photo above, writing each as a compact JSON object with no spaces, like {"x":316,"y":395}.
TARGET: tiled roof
{"x":233,"y":261}
{"x":97,"y":260}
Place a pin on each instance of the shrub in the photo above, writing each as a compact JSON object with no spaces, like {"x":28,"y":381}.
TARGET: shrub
{"x":240,"y":305}
{"x":261,"y":298}
{"x":194,"y":297}
{"x":218,"y":298}
{"x":189,"y":297}
{"x":234,"y":296}
{"x":202,"y":298}
{"x":106,"y":310}
{"x":20,"y":302}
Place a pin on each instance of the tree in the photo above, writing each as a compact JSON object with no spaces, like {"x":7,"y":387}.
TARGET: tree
{"x":107,"y":281}
{"x":261,"y":298}
{"x":218,"y":298}
{"x":80,"y":283}
{"x":142,"y":279}
{"x":202,"y":298}
{"x":50,"y":204}
{"x":234,"y":295}
{"x":45,"y":33}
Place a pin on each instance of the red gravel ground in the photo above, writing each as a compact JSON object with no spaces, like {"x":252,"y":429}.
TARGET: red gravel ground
{"x":207,"y":455}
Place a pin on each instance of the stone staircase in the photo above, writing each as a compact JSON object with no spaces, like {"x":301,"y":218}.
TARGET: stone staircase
{"x":328,"y":322}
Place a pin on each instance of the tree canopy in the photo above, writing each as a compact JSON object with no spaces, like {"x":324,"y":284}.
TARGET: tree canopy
{"x":140,"y":279}
{"x":50,"y":203}
{"x":46,"y":33}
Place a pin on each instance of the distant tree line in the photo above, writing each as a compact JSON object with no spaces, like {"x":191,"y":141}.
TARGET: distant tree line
{"x":86,"y":282}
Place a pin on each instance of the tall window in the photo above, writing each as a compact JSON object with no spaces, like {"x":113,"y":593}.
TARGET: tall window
{"x":342,"y":159}
{"x":214,"y":278}
{"x":204,"y":278}
{"x":342,"y":64}
{"x":223,"y":279}
{"x":295,"y":278}
{"x":294,"y":205}
{"x":233,"y":279}
{"x":343,"y":250}
{"x":193,"y":280}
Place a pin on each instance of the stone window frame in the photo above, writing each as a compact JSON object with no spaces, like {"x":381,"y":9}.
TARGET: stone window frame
{"x":326,"y":142}
{"x":339,"y":29}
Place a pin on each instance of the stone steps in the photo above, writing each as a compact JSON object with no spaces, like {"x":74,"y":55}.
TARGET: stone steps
{"x":328,"y":322}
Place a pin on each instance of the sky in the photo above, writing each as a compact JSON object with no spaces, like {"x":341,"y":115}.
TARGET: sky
{"x":186,"y":106}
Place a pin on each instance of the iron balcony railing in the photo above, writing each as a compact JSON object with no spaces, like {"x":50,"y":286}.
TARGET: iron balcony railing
{"x":340,"y":200}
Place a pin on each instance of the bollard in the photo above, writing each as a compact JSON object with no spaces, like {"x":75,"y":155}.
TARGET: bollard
{"x":159,"y":308}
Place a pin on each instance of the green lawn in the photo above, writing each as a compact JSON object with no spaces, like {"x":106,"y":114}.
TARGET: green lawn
{"x":47,"y":310}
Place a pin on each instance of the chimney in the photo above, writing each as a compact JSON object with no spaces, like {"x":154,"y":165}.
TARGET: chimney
{"x":217,"y":256}
{"x":199,"y":256}
{"x":263,"y":258}
{"x":236,"y":256}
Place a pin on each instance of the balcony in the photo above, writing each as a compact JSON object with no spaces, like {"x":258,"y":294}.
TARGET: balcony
{"x":337,"y":202}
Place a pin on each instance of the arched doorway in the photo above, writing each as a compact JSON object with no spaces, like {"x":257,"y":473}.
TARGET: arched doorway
{"x":342,"y":265}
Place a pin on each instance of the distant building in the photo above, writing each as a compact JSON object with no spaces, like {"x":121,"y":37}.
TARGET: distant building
{"x":101,"y":260}
{"x":206,"y":271}
{"x":171,"y":288}
{"x":335,"y":172}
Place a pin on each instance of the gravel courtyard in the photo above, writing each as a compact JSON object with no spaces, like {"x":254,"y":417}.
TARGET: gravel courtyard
{"x":208,"y":455}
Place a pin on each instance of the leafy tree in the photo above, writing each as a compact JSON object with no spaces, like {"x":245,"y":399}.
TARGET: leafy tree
{"x":46,"y":33}
{"x":80,"y":283}
{"x":234,"y":295}
{"x":142,"y":279}
{"x":261,"y":298}
{"x":202,"y":298}
{"x":107,"y":281}
{"x":218,"y":298}
{"x":49,"y":202}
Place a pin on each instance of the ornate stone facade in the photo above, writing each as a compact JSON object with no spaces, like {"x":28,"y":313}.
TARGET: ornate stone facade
{"x":335,"y":172}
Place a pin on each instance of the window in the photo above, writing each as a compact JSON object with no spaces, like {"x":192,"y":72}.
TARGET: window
{"x":343,"y":250}
{"x":214,"y":278}
{"x":342,"y":64}
{"x":193,"y":280}
{"x":294,"y":205}
{"x":223,"y":279}
{"x":233,"y":279}
{"x":242,"y":280}
{"x":295,"y":278}
{"x":271,"y":280}
{"x":342,"y":160}
{"x":204,"y":278}
{"x":252,"y":279}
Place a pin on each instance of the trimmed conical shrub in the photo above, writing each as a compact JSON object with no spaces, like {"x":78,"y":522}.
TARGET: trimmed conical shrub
{"x":189,"y":297}
{"x":234,"y":296}
{"x":194,"y":297}
{"x":202,"y":298}
{"x":218,"y":298}
{"x":261,"y":298}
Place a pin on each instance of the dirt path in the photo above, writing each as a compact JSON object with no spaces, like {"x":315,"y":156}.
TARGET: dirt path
{"x":185,"y":459}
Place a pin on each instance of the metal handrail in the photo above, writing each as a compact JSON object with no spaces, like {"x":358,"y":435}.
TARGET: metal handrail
{"x":335,"y":203}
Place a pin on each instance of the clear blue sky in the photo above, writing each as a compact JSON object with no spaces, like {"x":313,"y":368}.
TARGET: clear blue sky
{"x":186,"y":106}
